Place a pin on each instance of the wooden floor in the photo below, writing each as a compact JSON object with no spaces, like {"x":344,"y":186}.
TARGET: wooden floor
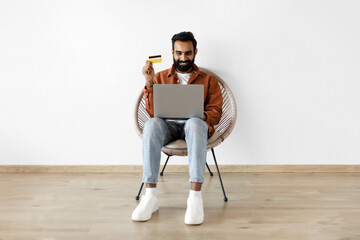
{"x":276,"y":206}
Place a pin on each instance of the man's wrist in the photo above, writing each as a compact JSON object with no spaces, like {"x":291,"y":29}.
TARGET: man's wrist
{"x":148,"y":85}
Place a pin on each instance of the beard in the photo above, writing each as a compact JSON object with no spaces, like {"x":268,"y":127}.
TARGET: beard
{"x":184,"y":68}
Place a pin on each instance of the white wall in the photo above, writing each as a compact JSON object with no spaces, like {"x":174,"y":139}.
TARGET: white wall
{"x":70,"y":73}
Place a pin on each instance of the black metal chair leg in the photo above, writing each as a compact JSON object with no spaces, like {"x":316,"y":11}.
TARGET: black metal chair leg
{"x":217,"y":168}
{"x":211,"y":174}
{"x":138,"y":196}
{"x":162,"y":171}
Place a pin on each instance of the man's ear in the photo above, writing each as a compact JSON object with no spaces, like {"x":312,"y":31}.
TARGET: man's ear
{"x":195,"y":52}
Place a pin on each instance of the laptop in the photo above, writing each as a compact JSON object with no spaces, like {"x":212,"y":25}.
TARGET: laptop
{"x":178,"y":102}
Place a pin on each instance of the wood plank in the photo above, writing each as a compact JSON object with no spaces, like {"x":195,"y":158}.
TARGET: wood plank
{"x":92,"y":206}
{"x":175,"y":168}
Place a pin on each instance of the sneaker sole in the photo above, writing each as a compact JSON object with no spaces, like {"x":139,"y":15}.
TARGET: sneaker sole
{"x":145,"y":220}
{"x":193,"y":224}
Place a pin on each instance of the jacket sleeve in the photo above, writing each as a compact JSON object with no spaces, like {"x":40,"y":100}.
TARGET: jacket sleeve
{"x":148,"y":95}
{"x":213,"y":103}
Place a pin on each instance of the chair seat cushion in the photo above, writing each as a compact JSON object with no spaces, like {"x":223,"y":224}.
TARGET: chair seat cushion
{"x":180,"y":143}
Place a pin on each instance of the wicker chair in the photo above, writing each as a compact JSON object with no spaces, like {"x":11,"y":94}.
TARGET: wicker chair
{"x":178,"y":147}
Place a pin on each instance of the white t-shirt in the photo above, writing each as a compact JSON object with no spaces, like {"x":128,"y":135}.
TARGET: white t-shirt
{"x":184,"y":77}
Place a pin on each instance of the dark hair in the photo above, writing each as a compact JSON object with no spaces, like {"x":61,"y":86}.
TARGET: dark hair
{"x":184,"y":37}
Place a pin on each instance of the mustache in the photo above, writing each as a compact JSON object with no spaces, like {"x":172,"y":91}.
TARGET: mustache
{"x":187,"y":61}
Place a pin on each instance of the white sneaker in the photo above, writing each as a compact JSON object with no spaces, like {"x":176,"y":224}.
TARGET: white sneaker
{"x":195,"y":211}
{"x":147,"y":206}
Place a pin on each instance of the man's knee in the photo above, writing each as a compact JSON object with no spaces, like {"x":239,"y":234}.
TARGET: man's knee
{"x":153,"y":125}
{"x":196,"y":124}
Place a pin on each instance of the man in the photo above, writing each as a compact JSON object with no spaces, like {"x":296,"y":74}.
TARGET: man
{"x":158,"y":132}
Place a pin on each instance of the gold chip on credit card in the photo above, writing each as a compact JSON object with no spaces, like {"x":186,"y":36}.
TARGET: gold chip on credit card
{"x":155,"y":59}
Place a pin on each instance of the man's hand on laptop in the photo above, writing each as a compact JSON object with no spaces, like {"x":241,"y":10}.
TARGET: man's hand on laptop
{"x":148,"y":72}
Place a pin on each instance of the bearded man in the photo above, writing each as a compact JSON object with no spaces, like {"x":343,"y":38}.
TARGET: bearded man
{"x":195,"y":131}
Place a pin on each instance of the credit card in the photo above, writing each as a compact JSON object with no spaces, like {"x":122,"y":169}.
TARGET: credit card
{"x":155,"y":59}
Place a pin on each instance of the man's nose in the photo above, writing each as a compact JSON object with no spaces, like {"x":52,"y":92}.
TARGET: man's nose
{"x":182,"y":57}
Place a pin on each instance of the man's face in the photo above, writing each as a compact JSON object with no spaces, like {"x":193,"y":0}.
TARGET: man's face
{"x":184,"y":56}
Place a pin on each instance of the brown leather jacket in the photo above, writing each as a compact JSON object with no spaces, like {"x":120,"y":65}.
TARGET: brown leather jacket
{"x":212,"y":93}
